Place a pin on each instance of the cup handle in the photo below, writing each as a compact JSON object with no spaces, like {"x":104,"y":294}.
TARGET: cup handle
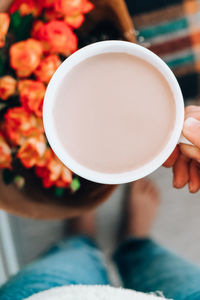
{"x":183,"y":140}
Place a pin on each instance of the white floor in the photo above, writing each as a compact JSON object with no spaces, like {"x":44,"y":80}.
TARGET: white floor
{"x":177,"y":225}
{"x":178,"y":222}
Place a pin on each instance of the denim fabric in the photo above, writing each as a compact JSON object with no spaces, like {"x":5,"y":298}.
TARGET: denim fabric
{"x":143,"y":265}
{"x":147,"y":267}
{"x":75,"y":261}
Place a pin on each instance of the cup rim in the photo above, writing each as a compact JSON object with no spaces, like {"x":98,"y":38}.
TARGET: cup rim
{"x":76,"y":58}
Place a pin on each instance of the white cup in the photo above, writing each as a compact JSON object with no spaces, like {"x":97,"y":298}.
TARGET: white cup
{"x":50,"y":98}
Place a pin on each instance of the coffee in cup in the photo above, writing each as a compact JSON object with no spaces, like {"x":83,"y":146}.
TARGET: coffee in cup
{"x":113,"y":112}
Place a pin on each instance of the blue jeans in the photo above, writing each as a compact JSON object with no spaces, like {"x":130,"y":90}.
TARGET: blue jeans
{"x":142,"y":264}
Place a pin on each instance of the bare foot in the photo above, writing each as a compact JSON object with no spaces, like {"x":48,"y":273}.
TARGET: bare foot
{"x":142,"y":208}
{"x":84,"y":225}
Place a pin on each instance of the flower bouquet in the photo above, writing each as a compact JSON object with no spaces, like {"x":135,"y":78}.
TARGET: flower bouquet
{"x":35,"y":37}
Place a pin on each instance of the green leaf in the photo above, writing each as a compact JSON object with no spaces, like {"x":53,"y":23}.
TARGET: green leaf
{"x":15,"y":20}
{"x":2,"y":65}
{"x":2,"y":105}
{"x":75,"y":184}
{"x":59,"y":192}
{"x":19,"y":181}
{"x":8,"y":176}
{"x":21,"y":26}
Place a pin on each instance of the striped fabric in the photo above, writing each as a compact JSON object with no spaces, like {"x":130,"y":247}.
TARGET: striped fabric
{"x":171,"y":29}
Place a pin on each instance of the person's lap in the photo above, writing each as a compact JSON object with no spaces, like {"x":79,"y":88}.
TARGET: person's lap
{"x":143,"y":266}
{"x":147,"y":267}
{"x":74,"y":261}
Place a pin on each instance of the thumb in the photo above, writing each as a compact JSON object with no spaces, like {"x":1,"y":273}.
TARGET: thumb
{"x":191,"y":130}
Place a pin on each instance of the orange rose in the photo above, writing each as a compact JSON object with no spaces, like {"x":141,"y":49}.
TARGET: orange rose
{"x":47,"y":3}
{"x":37,"y":25}
{"x":25,"y":56}
{"x":73,"y":11}
{"x":75,"y":21}
{"x":32,"y":95}
{"x":51,"y":14}
{"x":72,"y":7}
{"x":52,"y":171}
{"x":47,"y":67}
{"x":87,"y":7}
{"x":4,"y":25}
{"x":32,"y":151}
{"x":20,"y":125}
{"x":56,"y":36}
{"x":65,"y":177}
{"x":43,"y":173}
{"x":26,"y":7}
{"x":5,"y":154}
{"x":7,"y":87}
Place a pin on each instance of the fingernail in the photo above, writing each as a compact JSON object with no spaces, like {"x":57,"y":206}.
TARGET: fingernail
{"x":191,"y":188}
{"x":175,"y":184}
{"x":190,"y":123}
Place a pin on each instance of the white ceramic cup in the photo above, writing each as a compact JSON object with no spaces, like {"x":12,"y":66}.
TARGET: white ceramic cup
{"x":56,"y":82}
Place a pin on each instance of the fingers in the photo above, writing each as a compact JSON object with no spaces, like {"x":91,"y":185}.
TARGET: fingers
{"x":194,"y":180}
{"x":185,"y":158}
{"x":190,"y":151}
{"x":191,"y":130}
{"x":172,"y":159}
{"x":192,"y":111}
{"x":181,"y":172}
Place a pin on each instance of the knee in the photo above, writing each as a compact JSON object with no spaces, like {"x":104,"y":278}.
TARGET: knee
{"x":8,"y":292}
{"x":188,"y":295}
